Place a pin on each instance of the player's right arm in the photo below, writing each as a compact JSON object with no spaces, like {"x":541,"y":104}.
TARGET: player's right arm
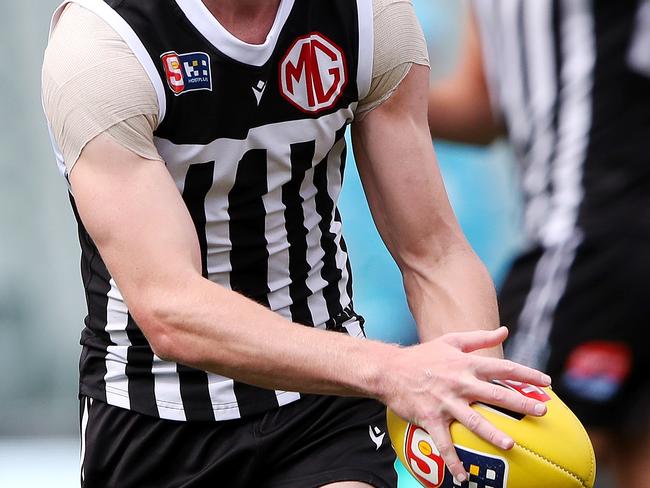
{"x":138,"y":220}
{"x":459,"y":105}
{"x":135,"y":215}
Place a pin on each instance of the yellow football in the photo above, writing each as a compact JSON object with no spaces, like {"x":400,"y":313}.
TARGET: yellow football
{"x":552,"y":451}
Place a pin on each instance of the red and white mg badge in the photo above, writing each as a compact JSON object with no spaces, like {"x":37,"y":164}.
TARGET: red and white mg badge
{"x":313,"y":73}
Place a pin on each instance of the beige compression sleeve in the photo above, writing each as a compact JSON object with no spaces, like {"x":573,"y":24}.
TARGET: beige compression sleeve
{"x":399,"y":43}
{"x":86,"y":59}
{"x":94,"y":84}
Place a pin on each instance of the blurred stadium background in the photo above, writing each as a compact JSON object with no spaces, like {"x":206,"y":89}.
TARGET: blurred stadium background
{"x":41,"y":299}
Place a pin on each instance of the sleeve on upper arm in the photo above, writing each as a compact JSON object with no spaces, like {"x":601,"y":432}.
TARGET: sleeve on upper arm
{"x":399,"y":43}
{"x":93,"y":83}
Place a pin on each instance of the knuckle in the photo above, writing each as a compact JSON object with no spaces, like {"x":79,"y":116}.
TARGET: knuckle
{"x":462,"y":385}
{"x":441,"y":438}
{"x":449,"y":338}
{"x":498,"y":393}
{"x":456,"y":383}
{"x":447,"y":450}
{"x":462,"y":378}
{"x":455,"y":466}
{"x":473,"y":364}
{"x":446,"y":406}
{"x":423,"y":418}
{"x":473,"y":421}
{"x":492,"y":436}
{"x":495,"y":437}
{"x":510,"y":367}
{"x":432,"y":419}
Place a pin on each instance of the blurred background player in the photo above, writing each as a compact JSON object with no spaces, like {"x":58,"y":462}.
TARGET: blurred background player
{"x":567,"y":81}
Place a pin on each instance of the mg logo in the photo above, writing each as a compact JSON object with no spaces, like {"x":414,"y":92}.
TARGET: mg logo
{"x":313,"y":73}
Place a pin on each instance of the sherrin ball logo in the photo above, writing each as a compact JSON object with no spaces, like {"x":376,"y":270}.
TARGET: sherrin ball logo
{"x":423,"y":458}
{"x":425,"y":463}
{"x":552,"y":451}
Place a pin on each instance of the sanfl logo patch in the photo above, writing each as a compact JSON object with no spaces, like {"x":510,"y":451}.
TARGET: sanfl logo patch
{"x":187,"y":72}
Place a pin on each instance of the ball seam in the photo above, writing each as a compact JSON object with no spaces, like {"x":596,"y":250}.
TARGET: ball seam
{"x":573,"y":475}
{"x":592,"y":468}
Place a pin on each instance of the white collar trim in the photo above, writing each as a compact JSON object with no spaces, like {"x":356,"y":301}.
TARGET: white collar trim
{"x":252,"y":54}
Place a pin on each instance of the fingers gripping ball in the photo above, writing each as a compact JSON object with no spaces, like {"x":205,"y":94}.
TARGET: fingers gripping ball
{"x":552,"y":451}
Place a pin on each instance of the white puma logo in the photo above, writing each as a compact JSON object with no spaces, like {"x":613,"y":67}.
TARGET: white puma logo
{"x":376,"y":435}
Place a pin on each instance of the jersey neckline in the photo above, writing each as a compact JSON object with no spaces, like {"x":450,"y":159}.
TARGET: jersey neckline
{"x":217,"y":35}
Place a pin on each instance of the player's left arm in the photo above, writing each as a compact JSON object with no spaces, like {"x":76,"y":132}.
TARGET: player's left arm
{"x":447,"y":286}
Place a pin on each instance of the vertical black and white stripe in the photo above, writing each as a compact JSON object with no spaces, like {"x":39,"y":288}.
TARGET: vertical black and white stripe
{"x":541,"y":57}
{"x":639,"y":53}
{"x":260,"y":180}
{"x":559,"y":77}
{"x":271,"y":234}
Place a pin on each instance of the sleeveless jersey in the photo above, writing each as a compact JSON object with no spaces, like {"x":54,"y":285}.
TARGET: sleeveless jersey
{"x":254,"y":137}
{"x":578,"y":117}
{"x":576,"y":110}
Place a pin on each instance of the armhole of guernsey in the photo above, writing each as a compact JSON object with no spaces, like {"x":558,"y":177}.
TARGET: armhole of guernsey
{"x":112,"y":18}
{"x":58,"y":154}
{"x":366,"y":46}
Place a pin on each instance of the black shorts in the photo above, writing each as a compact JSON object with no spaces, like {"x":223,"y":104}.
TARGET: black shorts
{"x":309,"y":443}
{"x":582,"y":313}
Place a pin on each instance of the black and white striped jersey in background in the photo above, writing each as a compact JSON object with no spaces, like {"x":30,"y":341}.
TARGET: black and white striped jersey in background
{"x":577,"y":113}
{"x":254,"y":139}
{"x":578,"y":117}
{"x":639,"y":54}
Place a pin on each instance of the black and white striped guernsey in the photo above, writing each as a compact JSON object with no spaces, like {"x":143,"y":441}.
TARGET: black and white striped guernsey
{"x":254,"y":138}
{"x":562,"y":75}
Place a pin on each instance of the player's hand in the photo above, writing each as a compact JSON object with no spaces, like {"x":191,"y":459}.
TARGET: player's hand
{"x":434,"y":383}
